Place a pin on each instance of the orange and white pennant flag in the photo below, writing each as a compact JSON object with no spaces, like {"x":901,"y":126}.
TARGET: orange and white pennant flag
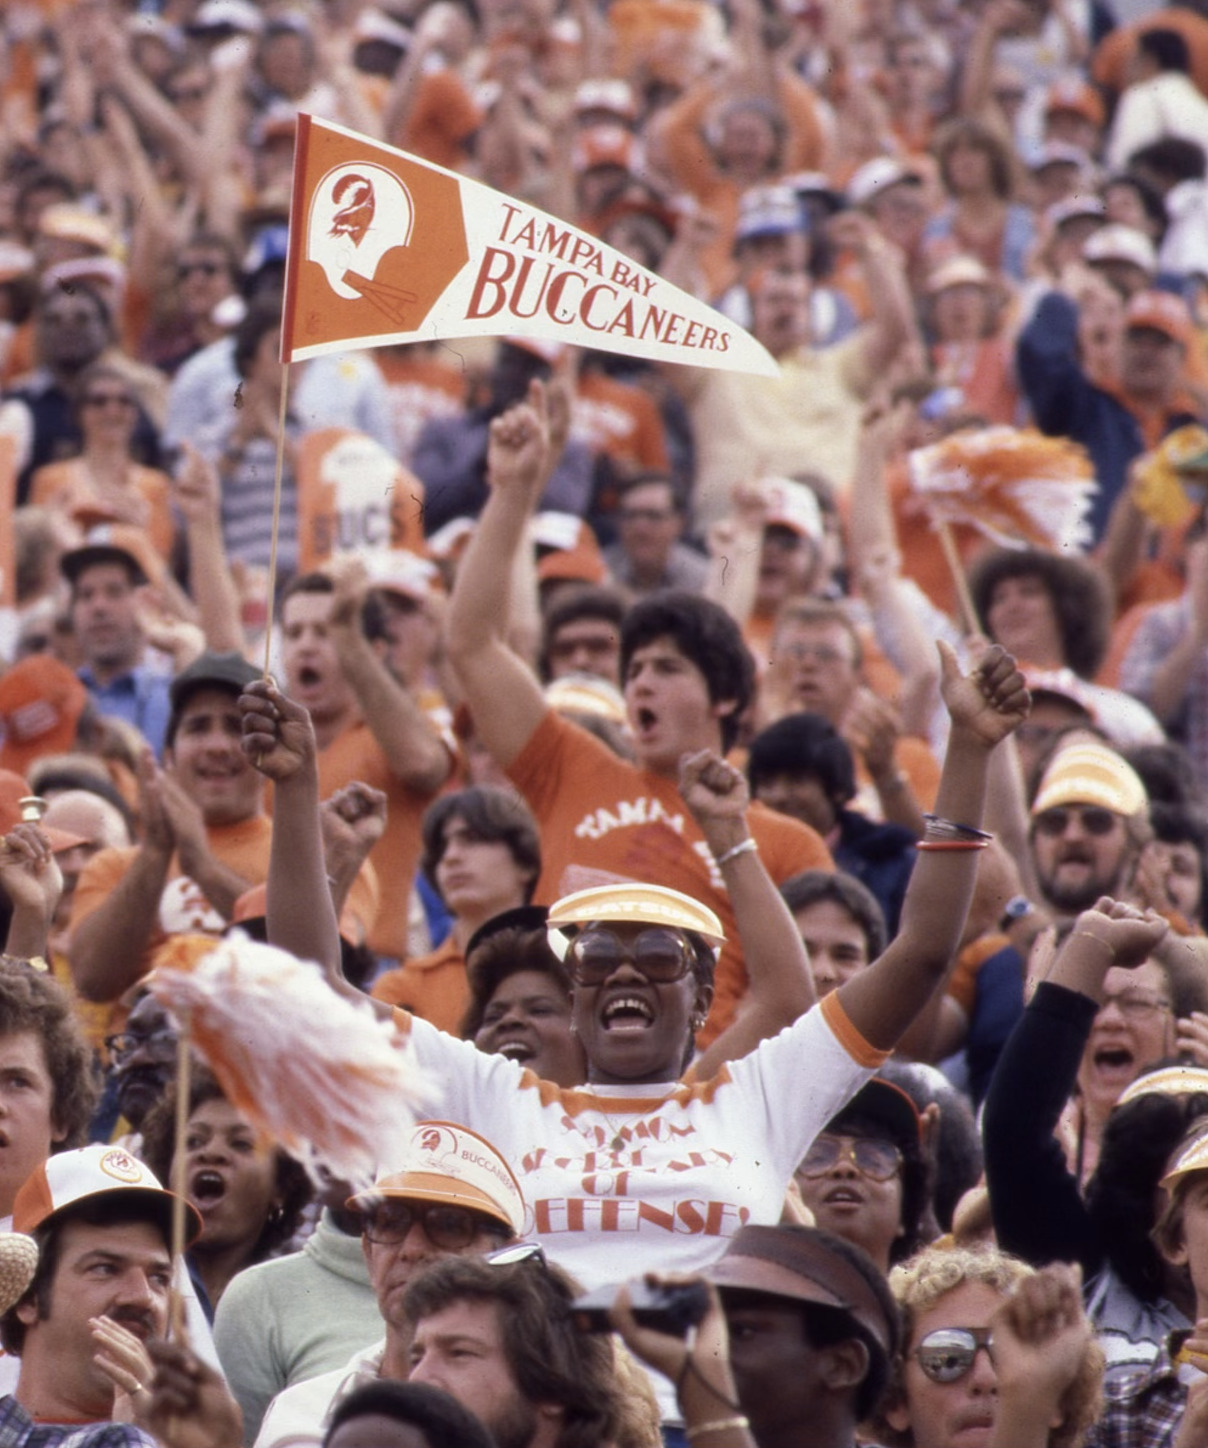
{"x":384,"y":247}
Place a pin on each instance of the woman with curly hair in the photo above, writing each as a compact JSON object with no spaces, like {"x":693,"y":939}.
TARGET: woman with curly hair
{"x":993,"y":1352}
{"x":250,"y":1194}
{"x":1054,"y":612}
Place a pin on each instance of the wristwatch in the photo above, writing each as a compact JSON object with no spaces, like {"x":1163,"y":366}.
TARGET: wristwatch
{"x":1016,"y":908}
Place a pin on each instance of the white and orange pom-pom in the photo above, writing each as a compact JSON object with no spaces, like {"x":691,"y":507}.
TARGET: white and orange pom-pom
{"x":1019,"y":487}
{"x":322,"y":1074}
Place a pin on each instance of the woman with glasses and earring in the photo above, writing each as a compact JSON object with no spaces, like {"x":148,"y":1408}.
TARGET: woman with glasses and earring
{"x":993,"y":1355}
{"x":104,"y":484}
{"x":636,"y":1161}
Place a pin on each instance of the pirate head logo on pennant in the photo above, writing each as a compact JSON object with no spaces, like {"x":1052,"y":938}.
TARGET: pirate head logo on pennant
{"x":358,"y":213}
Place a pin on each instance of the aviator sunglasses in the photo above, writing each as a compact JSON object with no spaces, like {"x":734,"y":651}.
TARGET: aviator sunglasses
{"x":1094,"y":818}
{"x":948,"y":1353}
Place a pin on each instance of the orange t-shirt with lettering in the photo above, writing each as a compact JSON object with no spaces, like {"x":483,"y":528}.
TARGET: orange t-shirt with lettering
{"x":604,"y":820}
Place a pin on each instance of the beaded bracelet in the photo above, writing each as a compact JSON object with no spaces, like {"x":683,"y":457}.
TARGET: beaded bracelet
{"x":951,"y":829}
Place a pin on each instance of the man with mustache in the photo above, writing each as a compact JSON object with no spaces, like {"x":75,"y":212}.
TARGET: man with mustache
{"x":102,"y":1223}
{"x":1090,"y":820}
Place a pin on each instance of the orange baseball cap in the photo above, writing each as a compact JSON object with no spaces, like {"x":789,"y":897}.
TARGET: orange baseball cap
{"x":449,"y":1163}
{"x":115,"y":543}
{"x":41,"y":701}
{"x":356,"y":918}
{"x":567,"y":549}
{"x":1160,"y":312}
{"x":1072,"y":94}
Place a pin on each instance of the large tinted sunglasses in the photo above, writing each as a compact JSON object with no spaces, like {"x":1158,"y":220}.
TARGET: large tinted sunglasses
{"x":1095,"y":820}
{"x":877,"y":1160}
{"x":660,"y":955}
{"x":450,"y":1228}
{"x":948,"y":1353}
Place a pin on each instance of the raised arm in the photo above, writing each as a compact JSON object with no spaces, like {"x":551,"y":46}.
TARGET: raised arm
{"x":1039,"y":1211}
{"x":414,"y":752}
{"x":108,"y":943}
{"x":780,"y":986}
{"x":279,"y":739}
{"x":196,"y":493}
{"x":33,"y":883}
{"x":503,"y":694}
{"x":985,"y":706}
{"x":892,"y":324}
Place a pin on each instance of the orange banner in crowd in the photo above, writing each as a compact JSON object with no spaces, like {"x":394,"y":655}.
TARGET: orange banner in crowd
{"x":354,"y":497}
{"x":384,"y":247}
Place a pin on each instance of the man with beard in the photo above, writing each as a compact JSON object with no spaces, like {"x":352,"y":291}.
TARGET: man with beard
{"x":498,"y":1336}
{"x":102,"y":1223}
{"x":1090,"y":819}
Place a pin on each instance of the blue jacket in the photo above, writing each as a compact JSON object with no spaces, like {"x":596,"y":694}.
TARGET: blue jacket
{"x":1066,"y":403}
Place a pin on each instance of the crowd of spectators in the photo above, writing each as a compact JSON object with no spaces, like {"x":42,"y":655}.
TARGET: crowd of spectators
{"x":795,"y":899}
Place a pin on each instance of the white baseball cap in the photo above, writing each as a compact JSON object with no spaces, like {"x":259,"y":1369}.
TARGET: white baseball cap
{"x":93,"y":1171}
{"x":793,"y":505}
{"x":449,"y":1163}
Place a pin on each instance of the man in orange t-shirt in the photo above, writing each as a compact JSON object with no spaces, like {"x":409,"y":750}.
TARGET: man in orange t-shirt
{"x":687,"y":678}
{"x":205,"y":838}
{"x":356,"y":653}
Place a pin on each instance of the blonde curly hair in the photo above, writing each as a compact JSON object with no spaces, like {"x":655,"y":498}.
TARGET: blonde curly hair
{"x":926,"y":1279}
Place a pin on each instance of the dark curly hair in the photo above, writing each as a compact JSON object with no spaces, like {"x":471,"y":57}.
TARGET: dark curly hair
{"x":32,"y":1001}
{"x":707,"y":636}
{"x":1081,"y":595}
{"x":1137,"y":1144}
{"x":441,"y":1419}
{"x":499,"y":956}
{"x":290,"y":1178}
{"x":803,"y":744}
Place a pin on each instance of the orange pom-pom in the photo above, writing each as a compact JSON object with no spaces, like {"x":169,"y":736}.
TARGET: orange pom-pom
{"x":1016,"y":485}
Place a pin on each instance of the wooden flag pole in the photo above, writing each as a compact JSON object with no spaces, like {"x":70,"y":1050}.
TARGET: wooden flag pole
{"x":180,"y":1179}
{"x":968,"y":619}
{"x":272,"y":557}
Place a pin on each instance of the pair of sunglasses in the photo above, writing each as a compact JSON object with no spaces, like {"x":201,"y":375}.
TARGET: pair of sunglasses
{"x":948,"y":1353}
{"x":660,"y":955}
{"x":1094,"y":818}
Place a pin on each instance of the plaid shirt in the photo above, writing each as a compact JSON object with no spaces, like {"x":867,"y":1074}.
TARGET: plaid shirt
{"x":1142,"y":1410}
{"x":18,"y":1430}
